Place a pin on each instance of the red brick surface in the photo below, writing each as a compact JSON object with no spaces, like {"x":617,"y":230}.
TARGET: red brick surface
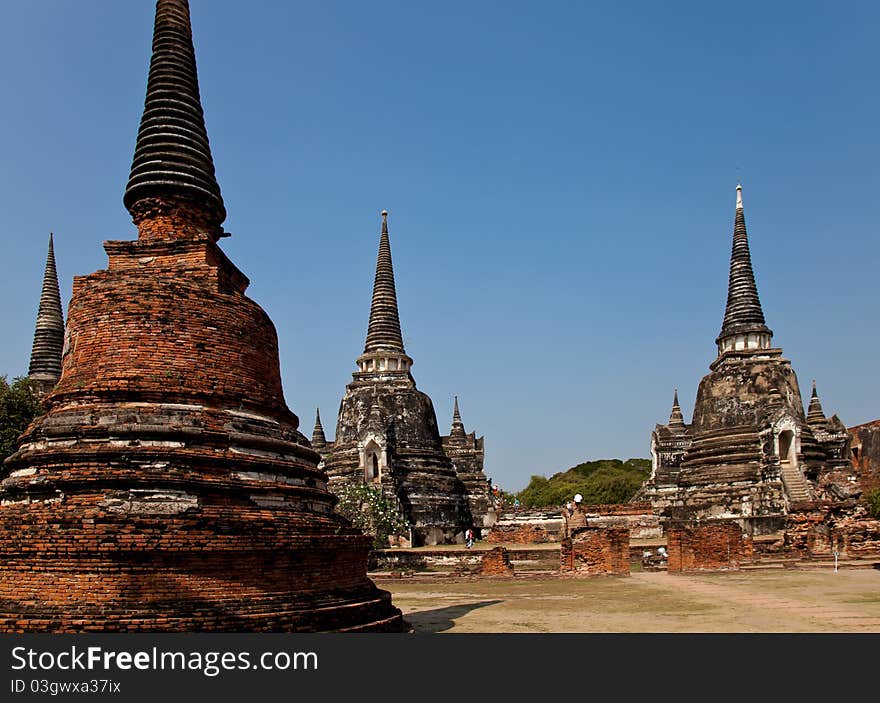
{"x":707,"y":547}
{"x":596,"y":550}
{"x":496,"y":562}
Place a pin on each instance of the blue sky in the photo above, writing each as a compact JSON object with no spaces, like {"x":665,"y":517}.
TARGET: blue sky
{"x":560,"y":178}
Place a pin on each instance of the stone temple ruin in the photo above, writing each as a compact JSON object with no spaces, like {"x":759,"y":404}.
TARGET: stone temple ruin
{"x":750,"y":452}
{"x":386,"y":432}
{"x":167,"y":487}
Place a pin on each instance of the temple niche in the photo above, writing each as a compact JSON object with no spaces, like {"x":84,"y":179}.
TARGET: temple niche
{"x":750,"y":451}
{"x":387,"y":434}
{"x":168,"y":488}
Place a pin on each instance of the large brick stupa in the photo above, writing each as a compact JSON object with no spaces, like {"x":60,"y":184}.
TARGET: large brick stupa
{"x":168,"y":488}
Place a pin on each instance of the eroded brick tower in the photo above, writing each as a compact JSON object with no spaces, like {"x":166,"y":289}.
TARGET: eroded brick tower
{"x":168,"y":488}
{"x":386,"y":432}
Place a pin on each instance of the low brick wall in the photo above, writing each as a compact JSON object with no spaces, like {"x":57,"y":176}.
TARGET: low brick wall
{"x":496,"y":562}
{"x":707,"y":547}
{"x":596,"y":550}
{"x":527,"y":527}
{"x":538,"y":526}
{"x":449,"y":559}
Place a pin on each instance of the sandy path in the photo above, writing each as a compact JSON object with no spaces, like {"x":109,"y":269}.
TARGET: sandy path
{"x":790,"y":601}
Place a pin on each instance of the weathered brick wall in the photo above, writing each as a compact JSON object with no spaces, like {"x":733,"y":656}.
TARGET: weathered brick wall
{"x":542,"y":525}
{"x":496,"y":562}
{"x":859,"y":538}
{"x":809,"y":529}
{"x":596,"y":550}
{"x":65,"y":561}
{"x":707,"y":546}
{"x":160,"y":323}
{"x":865,"y":443}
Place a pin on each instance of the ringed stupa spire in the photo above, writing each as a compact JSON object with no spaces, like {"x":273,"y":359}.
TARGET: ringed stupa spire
{"x":743,"y":326}
{"x":45,"y":366}
{"x":383,"y":349}
{"x":172,"y":157}
{"x":383,"y":333}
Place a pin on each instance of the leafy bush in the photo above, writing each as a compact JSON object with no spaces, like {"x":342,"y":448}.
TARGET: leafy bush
{"x":19,"y":404}
{"x":370,"y":510}
{"x":599,"y":482}
{"x":873,"y":498}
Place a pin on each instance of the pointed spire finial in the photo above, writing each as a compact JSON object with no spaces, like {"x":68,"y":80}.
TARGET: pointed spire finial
{"x":383,"y":332}
{"x":457,"y":424}
{"x":45,"y":363}
{"x":743,"y":315}
{"x":172,"y":157}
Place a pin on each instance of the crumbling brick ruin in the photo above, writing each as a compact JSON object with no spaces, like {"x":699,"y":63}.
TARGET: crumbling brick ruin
{"x":865,"y":444}
{"x":542,"y":525}
{"x":496,"y":562}
{"x":386,"y":432}
{"x":751,"y":450}
{"x":596,"y":550}
{"x":707,"y":546}
{"x":167,"y":488}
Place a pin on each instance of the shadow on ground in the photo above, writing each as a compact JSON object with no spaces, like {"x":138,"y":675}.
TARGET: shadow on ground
{"x":442,"y":619}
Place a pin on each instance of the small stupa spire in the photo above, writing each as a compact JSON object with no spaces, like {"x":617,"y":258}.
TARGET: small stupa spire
{"x":676,"y":419}
{"x":815,"y":414}
{"x":383,"y":332}
{"x":457,"y":424}
{"x":318,"y":437}
{"x":743,"y":315}
{"x":45,"y":364}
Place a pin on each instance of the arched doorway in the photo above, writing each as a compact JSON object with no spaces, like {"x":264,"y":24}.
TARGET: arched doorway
{"x":787,"y":453}
{"x":372,"y":463}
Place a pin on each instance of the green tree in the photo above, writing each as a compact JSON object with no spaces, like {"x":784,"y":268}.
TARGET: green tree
{"x":370,"y":510}
{"x":19,"y":404}
{"x":604,"y":481}
{"x":873,"y":499}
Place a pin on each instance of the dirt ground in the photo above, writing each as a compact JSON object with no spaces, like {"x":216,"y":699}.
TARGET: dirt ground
{"x":746,"y":601}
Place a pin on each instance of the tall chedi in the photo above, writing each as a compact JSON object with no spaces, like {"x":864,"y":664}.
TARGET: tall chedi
{"x":45,"y":366}
{"x":750,"y":452}
{"x":168,"y":488}
{"x":386,"y":432}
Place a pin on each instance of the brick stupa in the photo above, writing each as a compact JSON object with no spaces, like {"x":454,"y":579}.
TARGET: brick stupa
{"x":168,"y":488}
